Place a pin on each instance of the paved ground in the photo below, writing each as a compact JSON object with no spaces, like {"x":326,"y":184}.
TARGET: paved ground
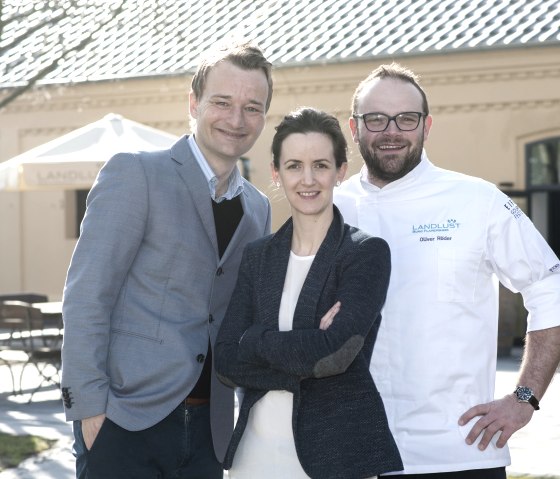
{"x":535,"y":449}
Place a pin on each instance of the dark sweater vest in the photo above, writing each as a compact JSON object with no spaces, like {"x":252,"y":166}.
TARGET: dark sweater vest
{"x":227,"y":215}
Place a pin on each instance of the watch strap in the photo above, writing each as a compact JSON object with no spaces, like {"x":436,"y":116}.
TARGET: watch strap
{"x":533,"y":401}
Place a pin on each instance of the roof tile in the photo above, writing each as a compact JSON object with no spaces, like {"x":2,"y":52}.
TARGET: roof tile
{"x":134,"y":38}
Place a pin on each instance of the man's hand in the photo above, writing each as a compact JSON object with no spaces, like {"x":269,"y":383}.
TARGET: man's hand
{"x":504,"y":416}
{"x":327,"y":319}
{"x":90,"y":429}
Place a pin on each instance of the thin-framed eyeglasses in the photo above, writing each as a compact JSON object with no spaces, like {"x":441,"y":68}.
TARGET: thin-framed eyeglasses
{"x":405,"y":121}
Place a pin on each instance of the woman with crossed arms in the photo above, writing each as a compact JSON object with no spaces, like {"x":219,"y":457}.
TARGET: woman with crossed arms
{"x":301,"y":325}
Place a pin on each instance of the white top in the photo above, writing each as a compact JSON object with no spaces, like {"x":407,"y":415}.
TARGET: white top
{"x":267,"y":448}
{"x":451,"y":237}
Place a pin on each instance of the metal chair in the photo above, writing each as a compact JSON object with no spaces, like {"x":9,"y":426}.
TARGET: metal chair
{"x":38,"y":345}
{"x":15,"y":322}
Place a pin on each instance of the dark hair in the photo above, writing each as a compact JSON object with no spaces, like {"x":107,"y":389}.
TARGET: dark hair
{"x":243,"y":55}
{"x":310,"y":120}
{"x":396,"y":72}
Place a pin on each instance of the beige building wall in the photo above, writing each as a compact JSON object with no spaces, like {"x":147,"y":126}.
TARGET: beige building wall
{"x":487,"y":106}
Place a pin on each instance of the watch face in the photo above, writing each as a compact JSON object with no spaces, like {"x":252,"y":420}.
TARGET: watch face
{"x":523,"y":393}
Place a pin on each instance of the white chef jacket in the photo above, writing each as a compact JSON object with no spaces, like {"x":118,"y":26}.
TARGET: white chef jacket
{"x":452,"y":237}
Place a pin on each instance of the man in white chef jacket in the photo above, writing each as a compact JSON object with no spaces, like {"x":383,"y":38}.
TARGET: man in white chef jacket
{"x":452,"y":237}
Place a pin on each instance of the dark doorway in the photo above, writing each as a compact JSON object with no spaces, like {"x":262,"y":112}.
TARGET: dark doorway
{"x":554,"y":221}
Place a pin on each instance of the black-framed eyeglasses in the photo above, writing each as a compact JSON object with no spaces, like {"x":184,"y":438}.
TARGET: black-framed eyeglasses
{"x":405,"y":121}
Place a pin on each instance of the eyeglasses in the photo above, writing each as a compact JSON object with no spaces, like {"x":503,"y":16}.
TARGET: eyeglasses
{"x":406,"y":121}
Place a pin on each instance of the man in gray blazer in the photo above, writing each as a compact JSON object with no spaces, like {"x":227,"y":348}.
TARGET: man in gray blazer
{"x":150,"y":280}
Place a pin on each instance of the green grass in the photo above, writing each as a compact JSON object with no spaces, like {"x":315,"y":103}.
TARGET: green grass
{"x":14,"y":449}
{"x":527,"y":476}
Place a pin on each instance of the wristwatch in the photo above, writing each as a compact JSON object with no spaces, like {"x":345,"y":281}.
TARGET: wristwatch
{"x":525,"y":394}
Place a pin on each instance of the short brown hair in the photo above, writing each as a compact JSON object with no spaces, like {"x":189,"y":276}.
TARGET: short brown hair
{"x":310,"y":120}
{"x":243,"y":55}
{"x":393,"y":71}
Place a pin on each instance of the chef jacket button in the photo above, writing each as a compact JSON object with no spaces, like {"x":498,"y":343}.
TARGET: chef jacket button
{"x":200,"y":358}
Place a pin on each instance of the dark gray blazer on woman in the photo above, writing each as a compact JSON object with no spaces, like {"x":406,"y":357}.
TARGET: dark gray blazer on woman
{"x":339,"y":422}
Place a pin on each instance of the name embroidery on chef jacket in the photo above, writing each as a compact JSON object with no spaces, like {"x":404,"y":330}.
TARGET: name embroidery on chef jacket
{"x":440,"y":228}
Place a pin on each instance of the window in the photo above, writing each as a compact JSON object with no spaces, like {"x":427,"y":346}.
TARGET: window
{"x":81,"y":196}
{"x":75,"y":211}
{"x":543,"y":163}
{"x":543,"y":187}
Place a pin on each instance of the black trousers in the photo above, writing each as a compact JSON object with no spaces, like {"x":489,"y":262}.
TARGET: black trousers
{"x":178,"y":447}
{"x":495,"y":473}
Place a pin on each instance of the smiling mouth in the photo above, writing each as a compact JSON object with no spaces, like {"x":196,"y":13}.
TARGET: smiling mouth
{"x":308,"y":194}
{"x":233,"y":135}
{"x":390,"y":147}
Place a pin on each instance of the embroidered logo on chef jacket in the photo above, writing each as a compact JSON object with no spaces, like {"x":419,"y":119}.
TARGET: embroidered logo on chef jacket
{"x":443,"y":230}
{"x":555,"y":268}
{"x":442,"y":227}
{"x":515,"y":210}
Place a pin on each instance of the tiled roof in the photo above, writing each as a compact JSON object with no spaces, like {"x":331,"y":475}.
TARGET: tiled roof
{"x":132,"y":38}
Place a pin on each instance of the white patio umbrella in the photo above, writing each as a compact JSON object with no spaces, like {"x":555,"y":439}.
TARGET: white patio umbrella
{"x":72,"y":161}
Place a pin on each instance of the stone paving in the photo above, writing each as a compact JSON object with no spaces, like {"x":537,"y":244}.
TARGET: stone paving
{"x":535,"y":449}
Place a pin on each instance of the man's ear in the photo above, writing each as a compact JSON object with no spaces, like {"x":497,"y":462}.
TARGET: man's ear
{"x":427,"y":126}
{"x":193,"y":105}
{"x":353,"y":128}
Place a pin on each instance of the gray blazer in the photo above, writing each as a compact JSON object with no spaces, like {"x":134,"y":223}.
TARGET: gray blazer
{"x":146,"y":289}
{"x":339,"y":422}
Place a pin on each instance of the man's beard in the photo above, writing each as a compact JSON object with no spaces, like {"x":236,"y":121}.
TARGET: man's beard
{"x":376,"y":167}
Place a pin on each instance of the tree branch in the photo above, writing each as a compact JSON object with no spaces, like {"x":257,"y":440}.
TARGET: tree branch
{"x":18,"y":91}
{"x":16,"y":41}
